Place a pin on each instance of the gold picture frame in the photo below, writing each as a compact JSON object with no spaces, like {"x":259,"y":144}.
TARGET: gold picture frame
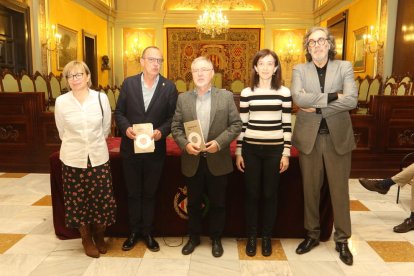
{"x":68,"y":48}
{"x":359,"y":51}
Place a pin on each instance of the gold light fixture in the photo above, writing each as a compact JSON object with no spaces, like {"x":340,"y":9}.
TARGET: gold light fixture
{"x":134,"y":51}
{"x":212,"y":22}
{"x":290,"y":53}
{"x":371,"y":41}
{"x":408,"y":32}
{"x":52,"y":42}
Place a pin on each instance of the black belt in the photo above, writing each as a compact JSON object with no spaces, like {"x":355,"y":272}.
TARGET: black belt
{"x":203,"y":154}
{"x":323,"y":131}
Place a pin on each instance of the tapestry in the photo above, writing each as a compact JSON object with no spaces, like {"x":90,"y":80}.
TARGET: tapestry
{"x":231,"y":53}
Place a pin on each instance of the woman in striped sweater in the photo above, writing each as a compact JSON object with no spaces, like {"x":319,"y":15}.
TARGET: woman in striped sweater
{"x":263,"y":146}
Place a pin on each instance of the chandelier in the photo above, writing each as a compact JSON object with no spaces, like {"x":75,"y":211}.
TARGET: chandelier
{"x":212,"y":21}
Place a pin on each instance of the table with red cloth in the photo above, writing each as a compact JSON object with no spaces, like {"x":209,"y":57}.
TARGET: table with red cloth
{"x":170,"y":204}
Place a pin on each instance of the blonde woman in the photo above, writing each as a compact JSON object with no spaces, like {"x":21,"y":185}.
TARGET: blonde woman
{"x":83,"y":118}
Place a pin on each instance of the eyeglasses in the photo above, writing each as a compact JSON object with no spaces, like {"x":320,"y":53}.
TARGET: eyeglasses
{"x":201,"y":70}
{"x":153,"y":60}
{"x":321,"y":41}
{"x":76,"y":76}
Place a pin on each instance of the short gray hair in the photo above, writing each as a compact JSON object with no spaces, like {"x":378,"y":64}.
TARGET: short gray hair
{"x":202,"y":58}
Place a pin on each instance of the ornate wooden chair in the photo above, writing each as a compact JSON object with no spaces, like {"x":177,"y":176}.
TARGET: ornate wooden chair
{"x":27,"y":83}
{"x":389,"y":89}
{"x":390,"y":79}
{"x":237,"y":86}
{"x":402,"y":89}
{"x":363,"y":95}
{"x":181,"y":85}
{"x":191,"y":86}
{"x":55,"y":88}
{"x":358,"y":82}
{"x":41,"y":85}
{"x":218,"y":80}
{"x":116,"y":91}
{"x":111,"y":97}
{"x":63,"y":84}
{"x":10,"y":83}
{"x":374,"y":89}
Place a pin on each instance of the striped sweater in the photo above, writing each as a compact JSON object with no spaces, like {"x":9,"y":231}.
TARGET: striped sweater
{"x":266,"y":117}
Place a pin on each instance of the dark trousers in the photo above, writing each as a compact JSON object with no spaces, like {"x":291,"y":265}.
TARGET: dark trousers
{"x":142,"y":176}
{"x":215,"y":188}
{"x":261,"y":175}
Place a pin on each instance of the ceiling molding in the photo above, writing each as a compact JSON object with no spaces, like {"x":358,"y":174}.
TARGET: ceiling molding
{"x":98,"y":7}
{"x":331,"y":7}
{"x":236,"y":18}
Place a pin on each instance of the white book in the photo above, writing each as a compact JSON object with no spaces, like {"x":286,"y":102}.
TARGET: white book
{"x":143,"y":142}
{"x":194,"y":133}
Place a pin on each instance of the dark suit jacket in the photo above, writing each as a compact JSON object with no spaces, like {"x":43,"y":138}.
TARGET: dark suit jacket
{"x":306,"y":93}
{"x":130,"y":110}
{"x":225,"y":126}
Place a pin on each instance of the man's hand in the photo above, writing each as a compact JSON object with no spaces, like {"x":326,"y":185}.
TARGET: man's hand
{"x":211,"y":147}
{"x":156,"y":135}
{"x":192,"y":149}
{"x":240,"y":163}
{"x":130,"y":133}
{"x":310,"y":109}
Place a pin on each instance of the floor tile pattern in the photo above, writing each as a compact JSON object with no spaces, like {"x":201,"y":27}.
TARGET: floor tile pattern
{"x":28,"y":245}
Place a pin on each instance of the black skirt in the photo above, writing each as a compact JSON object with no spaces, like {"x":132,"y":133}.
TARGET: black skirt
{"x":88,"y":195}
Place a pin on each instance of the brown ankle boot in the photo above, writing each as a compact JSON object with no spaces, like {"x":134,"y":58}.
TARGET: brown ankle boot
{"x":99,"y":237}
{"x":88,"y":246}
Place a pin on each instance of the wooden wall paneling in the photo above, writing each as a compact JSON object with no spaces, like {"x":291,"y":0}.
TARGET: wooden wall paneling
{"x":403,"y":44}
{"x":18,"y":130}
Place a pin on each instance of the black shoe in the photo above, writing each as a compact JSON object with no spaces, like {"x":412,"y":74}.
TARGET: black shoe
{"x":130,"y":242}
{"x":266,"y":246}
{"x":307,"y":245}
{"x":191,"y":244}
{"x":217,"y":248}
{"x":373,"y":185}
{"x":151,"y":243}
{"x":405,"y":226}
{"x":344,"y":254}
{"x":251,"y":246}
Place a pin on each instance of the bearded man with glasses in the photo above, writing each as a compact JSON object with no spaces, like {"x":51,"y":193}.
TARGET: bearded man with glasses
{"x":145,"y":98}
{"x":324,"y":90}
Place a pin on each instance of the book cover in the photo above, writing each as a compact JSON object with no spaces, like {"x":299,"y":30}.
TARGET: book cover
{"x":194,"y":133}
{"x":143,"y":142}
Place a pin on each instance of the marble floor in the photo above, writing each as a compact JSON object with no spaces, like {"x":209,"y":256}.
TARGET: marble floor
{"x":28,"y":245}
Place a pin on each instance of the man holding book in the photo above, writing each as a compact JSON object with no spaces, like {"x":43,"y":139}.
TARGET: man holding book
{"x":145,"y":99}
{"x":206,"y":163}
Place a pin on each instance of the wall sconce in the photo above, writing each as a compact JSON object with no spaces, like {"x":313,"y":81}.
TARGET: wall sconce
{"x":290,"y":53}
{"x":52,"y":42}
{"x":408,"y":32}
{"x":371,"y":41}
{"x":134,"y":51}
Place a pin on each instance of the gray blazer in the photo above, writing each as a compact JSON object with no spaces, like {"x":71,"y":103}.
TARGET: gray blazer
{"x":306,"y":93}
{"x":225,"y":126}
